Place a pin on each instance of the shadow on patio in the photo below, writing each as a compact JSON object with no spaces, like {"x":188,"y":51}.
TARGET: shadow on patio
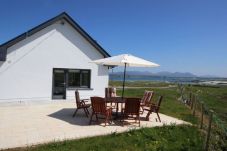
{"x":65,"y":114}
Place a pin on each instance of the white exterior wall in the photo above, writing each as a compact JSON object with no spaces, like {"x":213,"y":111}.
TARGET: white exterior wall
{"x":27,"y":72}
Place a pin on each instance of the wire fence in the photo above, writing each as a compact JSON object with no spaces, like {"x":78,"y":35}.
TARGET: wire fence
{"x":214,"y":129}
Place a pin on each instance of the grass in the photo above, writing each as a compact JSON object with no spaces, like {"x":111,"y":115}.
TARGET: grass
{"x":171,"y":138}
{"x":139,"y":84}
{"x":170,"y":105}
{"x":215,"y":98}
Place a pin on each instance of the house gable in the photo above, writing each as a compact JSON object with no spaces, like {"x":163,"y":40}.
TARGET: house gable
{"x":62,"y":16}
{"x":27,"y":75}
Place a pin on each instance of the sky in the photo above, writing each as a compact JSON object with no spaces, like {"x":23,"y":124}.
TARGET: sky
{"x":180,"y":35}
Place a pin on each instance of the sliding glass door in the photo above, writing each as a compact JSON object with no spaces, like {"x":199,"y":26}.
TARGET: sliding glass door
{"x":59,"y":84}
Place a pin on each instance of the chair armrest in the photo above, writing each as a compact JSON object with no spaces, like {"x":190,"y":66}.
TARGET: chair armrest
{"x":83,"y":102}
{"x":154,"y":107}
{"x":108,"y":108}
{"x":151,"y":104}
{"x":84,"y":99}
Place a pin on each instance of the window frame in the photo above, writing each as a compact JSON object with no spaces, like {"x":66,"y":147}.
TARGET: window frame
{"x":67,"y":70}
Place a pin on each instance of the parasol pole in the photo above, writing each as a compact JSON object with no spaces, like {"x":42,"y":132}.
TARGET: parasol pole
{"x":123,"y":82}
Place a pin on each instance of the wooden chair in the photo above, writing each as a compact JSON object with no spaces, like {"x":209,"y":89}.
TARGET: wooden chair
{"x":154,"y":108}
{"x":146,"y":99}
{"x":81,"y":104}
{"x":99,"y":108}
{"x":109,"y":93}
{"x":131,"y":109}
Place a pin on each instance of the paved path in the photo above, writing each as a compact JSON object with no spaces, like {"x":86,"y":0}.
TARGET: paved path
{"x":29,"y":124}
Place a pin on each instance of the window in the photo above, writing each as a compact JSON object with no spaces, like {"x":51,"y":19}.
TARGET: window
{"x":74,"y":78}
{"x":78,"y":78}
{"x":85,"y":81}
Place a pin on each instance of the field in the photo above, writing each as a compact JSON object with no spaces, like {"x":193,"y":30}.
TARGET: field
{"x":170,"y":105}
{"x":214,"y":97}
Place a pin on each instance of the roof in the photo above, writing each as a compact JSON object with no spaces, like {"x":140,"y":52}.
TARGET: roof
{"x":65,"y":16}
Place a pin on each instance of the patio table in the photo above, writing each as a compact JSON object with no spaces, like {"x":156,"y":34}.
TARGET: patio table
{"x":116,"y":100}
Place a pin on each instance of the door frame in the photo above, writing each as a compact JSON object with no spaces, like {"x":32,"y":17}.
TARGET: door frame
{"x":65,"y":79}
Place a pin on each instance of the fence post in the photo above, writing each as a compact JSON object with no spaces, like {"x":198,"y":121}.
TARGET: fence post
{"x":192,"y":102}
{"x":201,"y":121}
{"x":194,"y":106}
{"x":190,"y":98}
{"x":208,"y":131}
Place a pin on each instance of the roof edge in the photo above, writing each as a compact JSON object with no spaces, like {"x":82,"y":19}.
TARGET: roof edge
{"x":63,"y":15}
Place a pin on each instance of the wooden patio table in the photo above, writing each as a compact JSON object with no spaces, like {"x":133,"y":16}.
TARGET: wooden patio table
{"x":116,"y":100}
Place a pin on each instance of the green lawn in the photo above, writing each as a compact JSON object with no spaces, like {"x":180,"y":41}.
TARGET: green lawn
{"x":140,"y":84}
{"x":215,"y":98}
{"x":170,"y":105}
{"x":171,"y":138}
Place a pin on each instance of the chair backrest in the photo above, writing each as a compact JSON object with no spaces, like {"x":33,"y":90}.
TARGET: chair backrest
{"x":98,"y":105}
{"x":147,"y":97}
{"x":132,"y":106}
{"x":114,"y":92}
{"x":159,"y":100}
{"x":159,"y":103}
{"x":110,"y":92}
{"x":77,"y":97}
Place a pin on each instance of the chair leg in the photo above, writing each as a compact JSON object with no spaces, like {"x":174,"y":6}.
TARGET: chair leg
{"x":123,"y":120}
{"x":139,"y":119}
{"x":110,"y":119}
{"x":74,"y":114}
{"x":106,"y":120}
{"x":158,"y":117}
{"x":85,"y":112}
{"x":142,"y":110}
{"x":96,"y":117}
{"x":148,"y":114}
{"x":91,"y":118}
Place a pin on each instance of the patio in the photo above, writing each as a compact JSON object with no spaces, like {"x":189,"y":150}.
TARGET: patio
{"x":29,"y":124}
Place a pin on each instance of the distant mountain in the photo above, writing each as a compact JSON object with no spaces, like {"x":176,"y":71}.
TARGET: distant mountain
{"x":144,"y":73}
{"x":176,"y":74}
{"x":209,"y":76}
{"x":163,"y":74}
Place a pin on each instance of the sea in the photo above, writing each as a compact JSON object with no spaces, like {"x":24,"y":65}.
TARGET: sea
{"x":184,"y":80}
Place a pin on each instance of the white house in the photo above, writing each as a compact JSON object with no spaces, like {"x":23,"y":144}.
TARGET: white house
{"x":50,"y":61}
